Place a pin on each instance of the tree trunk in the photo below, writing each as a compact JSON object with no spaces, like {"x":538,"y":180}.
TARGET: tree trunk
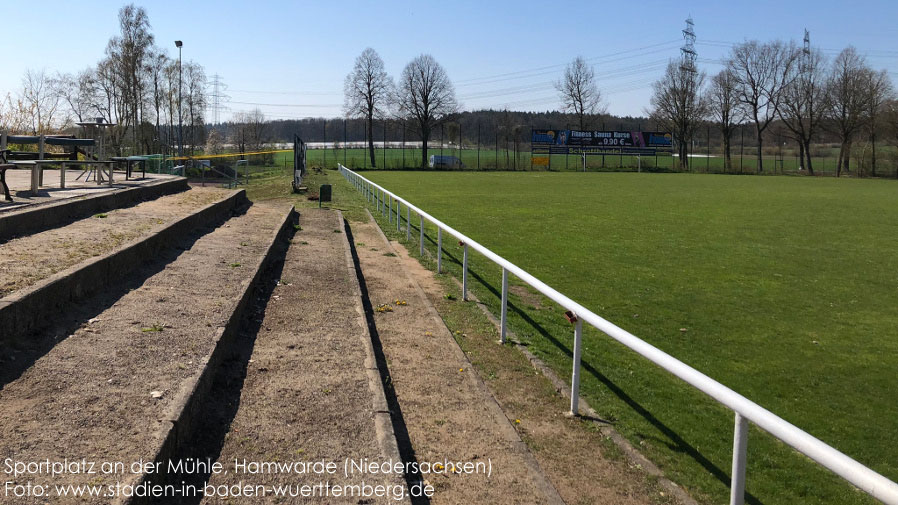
{"x":847,"y":159}
{"x":371,"y":141}
{"x":760,"y":153}
{"x":684,"y":155}
{"x":727,"y":161}
{"x":425,"y":135}
{"x":800,"y":155}
{"x":873,"y":153}
{"x":807,"y":152}
{"x":841,"y":157}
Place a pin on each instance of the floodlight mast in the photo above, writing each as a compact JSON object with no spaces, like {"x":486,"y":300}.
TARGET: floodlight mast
{"x":178,"y":44}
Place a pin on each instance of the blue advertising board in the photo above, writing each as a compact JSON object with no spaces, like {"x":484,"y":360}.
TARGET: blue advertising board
{"x":599,"y":142}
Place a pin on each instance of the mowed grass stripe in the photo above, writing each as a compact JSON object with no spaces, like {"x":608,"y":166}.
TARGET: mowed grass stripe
{"x":785,"y":288}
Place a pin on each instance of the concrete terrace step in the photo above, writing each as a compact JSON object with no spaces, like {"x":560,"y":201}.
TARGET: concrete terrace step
{"x":23,"y":219}
{"x":123,"y":386}
{"x":312,"y":391}
{"x":26,"y":260}
{"x":44,"y":272}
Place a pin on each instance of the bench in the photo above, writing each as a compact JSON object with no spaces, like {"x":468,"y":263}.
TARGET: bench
{"x":129,"y":162}
{"x":4,"y":166}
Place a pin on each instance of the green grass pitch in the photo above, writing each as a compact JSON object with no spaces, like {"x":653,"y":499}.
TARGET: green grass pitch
{"x":783,"y":288}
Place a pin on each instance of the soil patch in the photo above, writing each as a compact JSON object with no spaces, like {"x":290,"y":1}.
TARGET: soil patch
{"x":448,"y":413}
{"x":26,"y":260}
{"x":306,"y":393}
{"x":105,"y":391}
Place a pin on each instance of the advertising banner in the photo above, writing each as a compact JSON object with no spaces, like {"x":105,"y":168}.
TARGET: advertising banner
{"x":598,"y":142}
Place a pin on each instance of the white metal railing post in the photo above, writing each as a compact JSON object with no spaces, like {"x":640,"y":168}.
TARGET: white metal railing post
{"x":421,"y":231}
{"x":398,"y":216}
{"x":408,"y":223}
{"x":389,"y":208}
{"x":439,"y":250}
{"x":740,"y":446}
{"x":575,"y":378}
{"x":504,"y":322}
{"x":464,"y":275}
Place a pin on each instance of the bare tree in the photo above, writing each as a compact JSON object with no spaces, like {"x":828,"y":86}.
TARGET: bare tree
{"x":196,"y":99}
{"x":158,"y":63}
{"x":722,"y":102}
{"x":40,"y":100}
{"x":849,"y":101}
{"x":128,"y":54}
{"x":367,"y":92}
{"x":249,"y":131}
{"x":678,"y":105}
{"x":214,"y":142}
{"x":76,"y":93}
{"x":12,"y":114}
{"x":880,"y":91}
{"x":762,"y":72}
{"x":805,"y":102}
{"x":579,"y":92}
{"x":425,"y":95}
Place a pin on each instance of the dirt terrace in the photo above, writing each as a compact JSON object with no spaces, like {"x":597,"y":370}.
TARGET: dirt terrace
{"x":26,"y":260}
{"x":446,"y":408}
{"x":306,"y":396}
{"x":104,"y":391}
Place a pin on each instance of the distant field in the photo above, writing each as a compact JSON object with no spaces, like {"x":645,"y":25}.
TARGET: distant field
{"x":782,"y":288}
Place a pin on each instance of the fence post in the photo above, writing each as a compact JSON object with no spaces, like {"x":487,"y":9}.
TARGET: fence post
{"x":389,"y":209}
{"x":575,"y":379}
{"x":464,"y":275}
{"x":504,"y":321}
{"x":740,"y":444}
{"x":439,"y":250}
{"x":408,"y":223}
{"x":398,"y":216}
{"x":421,"y":231}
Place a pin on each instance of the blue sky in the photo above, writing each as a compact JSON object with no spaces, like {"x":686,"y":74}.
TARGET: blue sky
{"x":293,"y":55}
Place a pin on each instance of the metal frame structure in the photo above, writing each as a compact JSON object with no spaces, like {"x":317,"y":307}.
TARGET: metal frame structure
{"x":744,"y":409}
{"x":299,"y":162}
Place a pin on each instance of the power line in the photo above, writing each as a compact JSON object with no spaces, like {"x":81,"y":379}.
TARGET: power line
{"x":622,"y":72}
{"x":562,"y":65}
{"x":289,"y":104}
{"x":260,"y":92}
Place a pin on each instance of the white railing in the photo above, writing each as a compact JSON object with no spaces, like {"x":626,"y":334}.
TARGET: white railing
{"x":745,"y":410}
